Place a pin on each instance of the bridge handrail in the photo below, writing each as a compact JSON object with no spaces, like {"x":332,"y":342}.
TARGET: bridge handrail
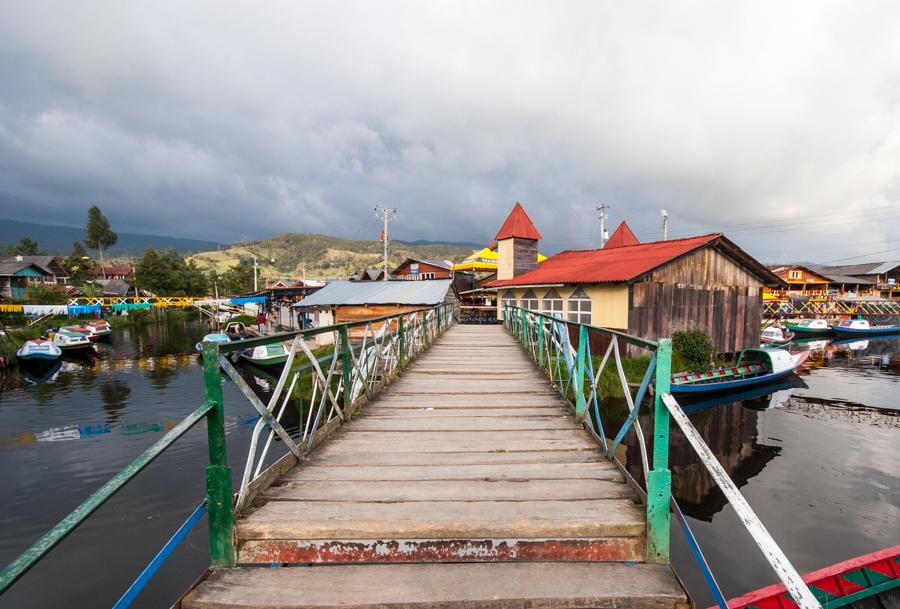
{"x":25,"y":561}
{"x":416,"y":330}
{"x":571,"y":370}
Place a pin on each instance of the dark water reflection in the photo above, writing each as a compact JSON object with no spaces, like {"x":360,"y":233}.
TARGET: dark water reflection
{"x":818,"y":459}
{"x":62,"y":439}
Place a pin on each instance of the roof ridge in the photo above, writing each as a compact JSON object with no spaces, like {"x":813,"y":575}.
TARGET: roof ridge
{"x":597,"y":249}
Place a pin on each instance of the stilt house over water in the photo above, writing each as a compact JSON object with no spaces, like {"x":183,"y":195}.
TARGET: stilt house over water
{"x":647,"y":289}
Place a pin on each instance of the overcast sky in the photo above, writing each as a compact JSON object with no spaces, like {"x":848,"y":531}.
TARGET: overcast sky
{"x":222,"y":120}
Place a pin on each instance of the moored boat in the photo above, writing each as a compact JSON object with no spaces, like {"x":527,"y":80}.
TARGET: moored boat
{"x":861,"y":327}
{"x":809,"y":327}
{"x":773,"y":335}
{"x":70,"y":341}
{"x":215,"y":337}
{"x":100,"y":328}
{"x":38,"y":350}
{"x":754,"y":367}
{"x":867,"y":581}
{"x":266,"y":355}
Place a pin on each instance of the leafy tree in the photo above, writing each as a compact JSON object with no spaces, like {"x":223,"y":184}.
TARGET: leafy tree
{"x":78,"y":263}
{"x":45,"y":295}
{"x":239,"y":278}
{"x":25,"y":247}
{"x":167,"y":274}
{"x":99,"y":234}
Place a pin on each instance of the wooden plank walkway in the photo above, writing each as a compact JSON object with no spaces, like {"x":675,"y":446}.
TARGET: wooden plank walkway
{"x":469,"y":457}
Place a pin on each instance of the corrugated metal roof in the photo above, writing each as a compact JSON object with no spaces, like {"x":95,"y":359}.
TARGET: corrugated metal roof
{"x":884,"y":267}
{"x":847,"y":279}
{"x":621,"y":237}
{"x":379,"y":292}
{"x":607,"y":265}
{"x":518,"y":224}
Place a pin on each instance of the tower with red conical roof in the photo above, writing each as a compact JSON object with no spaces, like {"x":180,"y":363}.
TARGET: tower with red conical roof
{"x":517,"y":244}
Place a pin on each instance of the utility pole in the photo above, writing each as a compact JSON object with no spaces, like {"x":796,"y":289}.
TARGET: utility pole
{"x":255,"y":288}
{"x":384,"y":214}
{"x":665,"y":217}
{"x":603,"y":235}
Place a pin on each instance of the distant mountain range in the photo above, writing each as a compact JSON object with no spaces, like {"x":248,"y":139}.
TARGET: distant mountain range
{"x":324,"y":256}
{"x":59,"y":239}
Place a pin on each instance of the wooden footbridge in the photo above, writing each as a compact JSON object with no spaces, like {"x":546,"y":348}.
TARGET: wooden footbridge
{"x":438,"y":465}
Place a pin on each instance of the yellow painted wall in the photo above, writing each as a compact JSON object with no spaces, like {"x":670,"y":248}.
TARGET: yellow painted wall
{"x":505,"y":259}
{"x":609,"y":305}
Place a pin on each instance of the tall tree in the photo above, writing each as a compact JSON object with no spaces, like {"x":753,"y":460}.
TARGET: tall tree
{"x":99,"y":234}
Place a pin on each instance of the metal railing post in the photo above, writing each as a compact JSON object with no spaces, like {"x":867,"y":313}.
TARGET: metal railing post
{"x":580,"y":402}
{"x":401,"y":336}
{"x":659,"y":479}
{"x":345,"y":370}
{"x":218,"y":474}
{"x":540,"y":331}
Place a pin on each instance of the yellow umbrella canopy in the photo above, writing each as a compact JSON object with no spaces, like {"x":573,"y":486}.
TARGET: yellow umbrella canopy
{"x":484,"y":260}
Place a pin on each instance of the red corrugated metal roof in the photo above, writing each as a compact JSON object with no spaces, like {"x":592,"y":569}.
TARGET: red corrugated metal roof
{"x":518,"y":224}
{"x":623,"y":263}
{"x":621,"y":236}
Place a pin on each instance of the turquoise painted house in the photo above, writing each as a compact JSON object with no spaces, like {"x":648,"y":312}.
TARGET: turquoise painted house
{"x":17,"y":273}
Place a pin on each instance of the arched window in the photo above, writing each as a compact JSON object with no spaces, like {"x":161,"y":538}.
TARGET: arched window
{"x":552,"y":304}
{"x":530,"y":301}
{"x":580,"y":307}
{"x":509,"y":299}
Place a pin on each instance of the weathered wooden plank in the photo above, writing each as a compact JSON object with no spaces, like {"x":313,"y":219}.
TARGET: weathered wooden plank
{"x":449,"y":490}
{"x":380,"y":458}
{"x":443,"y":520}
{"x":442,"y":586}
{"x":439,"y":423}
{"x":287,"y":551}
{"x":600,"y":470}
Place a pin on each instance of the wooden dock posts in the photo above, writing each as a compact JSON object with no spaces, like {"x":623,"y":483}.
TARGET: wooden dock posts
{"x":466,"y":483}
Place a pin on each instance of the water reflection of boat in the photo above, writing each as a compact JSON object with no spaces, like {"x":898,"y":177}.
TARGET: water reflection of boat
{"x":754,"y":367}
{"x":39,"y":374}
{"x":812,"y":344}
{"x":851,"y":344}
{"x":755,"y":398}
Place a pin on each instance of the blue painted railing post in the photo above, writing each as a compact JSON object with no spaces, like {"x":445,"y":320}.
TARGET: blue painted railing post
{"x":218,"y":474}
{"x":659,"y":480}
{"x":580,"y":402}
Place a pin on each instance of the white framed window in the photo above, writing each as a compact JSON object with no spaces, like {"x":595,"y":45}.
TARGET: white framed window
{"x":424,"y":276}
{"x":552,"y":304}
{"x":580,"y":307}
{"x":509,"y":299}
{"x":795,"y":274}
{"x":530,"y":301}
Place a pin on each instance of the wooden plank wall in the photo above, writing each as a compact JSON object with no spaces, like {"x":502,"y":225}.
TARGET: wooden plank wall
{"x":732,"y":315}
{"x":706,"y":267}
{"x":350,"y":313}
{"x":525,"y":253}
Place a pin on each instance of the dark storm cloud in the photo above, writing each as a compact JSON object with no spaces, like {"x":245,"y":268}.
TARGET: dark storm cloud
{"x":302,"y":117}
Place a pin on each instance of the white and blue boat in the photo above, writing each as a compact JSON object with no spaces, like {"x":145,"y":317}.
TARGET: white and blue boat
{"x":215,"y":337}
{"x":857,"y":328}
{"x":38,"y":350}
{"x":754,"y":367}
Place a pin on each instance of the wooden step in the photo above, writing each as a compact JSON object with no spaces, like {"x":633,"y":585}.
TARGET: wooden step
{"x":538,"y":585}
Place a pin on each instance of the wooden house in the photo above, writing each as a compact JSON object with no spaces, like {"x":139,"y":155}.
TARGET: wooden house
{"x":799,"y":281}
{"x":868,"y":278}
{"x":650,"y":290}
{"x":417,"y":270}
{"x":19,"y":272}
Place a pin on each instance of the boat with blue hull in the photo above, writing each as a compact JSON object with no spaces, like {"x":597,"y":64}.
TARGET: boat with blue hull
{"x":860,"y":327}
{"x":754,"y":367}
{"x":38,"y":350}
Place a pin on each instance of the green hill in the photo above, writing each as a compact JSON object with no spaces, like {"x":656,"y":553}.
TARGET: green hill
{"x":322,"y":256}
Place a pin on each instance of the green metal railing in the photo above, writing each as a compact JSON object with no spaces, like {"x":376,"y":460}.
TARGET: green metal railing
{"x":571,"y":370}
{"x":388,"y":345}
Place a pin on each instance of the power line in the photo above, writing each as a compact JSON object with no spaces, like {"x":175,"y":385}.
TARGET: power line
{"x":776,"y":222}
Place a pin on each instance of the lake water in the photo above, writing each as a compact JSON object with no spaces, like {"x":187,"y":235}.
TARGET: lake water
{"x":817,"y":463}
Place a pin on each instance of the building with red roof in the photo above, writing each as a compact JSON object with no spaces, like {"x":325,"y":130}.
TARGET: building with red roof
{"x":651,"y":290}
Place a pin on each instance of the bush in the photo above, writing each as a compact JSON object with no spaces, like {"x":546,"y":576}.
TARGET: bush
{"x":45,"y":295}
{"x":694,"y":349}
